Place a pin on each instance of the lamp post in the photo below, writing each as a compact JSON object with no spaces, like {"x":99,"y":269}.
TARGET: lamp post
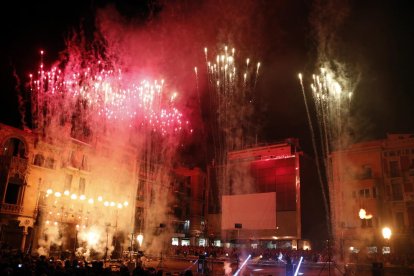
{"x":131,"y":247}
{"x":106,"y":247}
{"x":386,"y":233}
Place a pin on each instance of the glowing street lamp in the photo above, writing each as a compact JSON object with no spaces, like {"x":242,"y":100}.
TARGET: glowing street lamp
{"x":386,"y":233}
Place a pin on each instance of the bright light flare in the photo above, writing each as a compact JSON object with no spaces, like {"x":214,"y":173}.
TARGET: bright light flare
{"x":242,"y":265}
{"x":386,"y":233}
{"x":297,"y":268}
{"x":92,"y":238}
{"x":140,"y":238}
{"x":362,"y":213}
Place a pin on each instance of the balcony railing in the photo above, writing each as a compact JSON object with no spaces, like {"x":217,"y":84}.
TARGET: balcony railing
{"x":15,"y":165}
{"x":11,"y":209}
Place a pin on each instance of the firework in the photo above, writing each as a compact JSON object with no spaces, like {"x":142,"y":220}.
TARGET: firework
{"x":332,"y":105}
{"x":97,"y":94}
{"x":231,"y":83}
{"x":125,"y":121}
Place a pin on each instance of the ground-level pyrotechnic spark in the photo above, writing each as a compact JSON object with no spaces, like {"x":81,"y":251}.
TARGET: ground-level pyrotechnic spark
{"x":298,"y":266}
{"x":242,"y":265}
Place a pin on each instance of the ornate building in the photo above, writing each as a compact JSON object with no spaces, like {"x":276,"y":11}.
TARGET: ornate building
{"x":57,"y":194}
{"x":65,"y":196}
{"x":371,"y":187}
{"x":16,"y":222}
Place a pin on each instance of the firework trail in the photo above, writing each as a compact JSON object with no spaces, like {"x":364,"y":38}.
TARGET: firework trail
{"x":317,"y":158}
{"x":332,"y":105}
{"x":231,"y":85}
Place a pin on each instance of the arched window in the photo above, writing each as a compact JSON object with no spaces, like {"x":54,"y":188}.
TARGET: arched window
{"x":39,"y":160}
{"x":14,"y":147}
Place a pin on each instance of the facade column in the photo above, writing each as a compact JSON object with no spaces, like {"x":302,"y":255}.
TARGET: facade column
{"x":23,"y":242}
{"x":25,"y":223}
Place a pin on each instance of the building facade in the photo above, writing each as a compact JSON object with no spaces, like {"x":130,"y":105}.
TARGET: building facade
{"x":252,"y":177}
{"x":371,"y":187}
{"x":57,"y":194}
{"x":64,"y":194}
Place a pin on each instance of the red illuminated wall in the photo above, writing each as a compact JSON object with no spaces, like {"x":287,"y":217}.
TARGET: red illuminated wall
{"x":276,"y":175}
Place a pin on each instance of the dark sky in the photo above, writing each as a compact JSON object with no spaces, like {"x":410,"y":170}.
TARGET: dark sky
{"x":374,"y":39}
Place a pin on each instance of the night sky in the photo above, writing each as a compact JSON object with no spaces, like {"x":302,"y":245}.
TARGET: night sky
{"x":374,"y":39}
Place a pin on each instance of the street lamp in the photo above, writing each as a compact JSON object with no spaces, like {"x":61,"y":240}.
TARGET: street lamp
{"x":386,"y":233}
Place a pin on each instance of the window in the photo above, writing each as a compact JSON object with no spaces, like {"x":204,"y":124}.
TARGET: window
{"x":394,"y":169}
{"x":405,"y":163}
{"x":38,"y":160}
{"x":397,"y":193}
{"x":388,"y":192}
{"x":140,"y":192}
{"x":84,"y":165}
{"x":366,"y":172}
{"x":68,"y":182}
{"x":139,"y":218}
{"x":374,"y":192}
{"x":408,"y":187}
{"x":14,"y":147}
{"x":12,"y":193}
{"x":50,"y":163}
{"x":82,"y":183}
{"x":399,"y":219}
{"x":364,"y":193}
{"x":410,"y":214}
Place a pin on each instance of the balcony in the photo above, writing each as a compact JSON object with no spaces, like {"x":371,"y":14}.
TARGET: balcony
{"x":14,"y":165}
{"x":10,"y":209}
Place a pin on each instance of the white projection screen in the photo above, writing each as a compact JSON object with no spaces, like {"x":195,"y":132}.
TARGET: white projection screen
{"x":253,"y":211}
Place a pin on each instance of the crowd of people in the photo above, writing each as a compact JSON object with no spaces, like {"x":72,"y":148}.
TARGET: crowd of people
{"x":282,"y":255}
{"x":262,"y":253}
{"x":14,"y":262}
{"x":18,"y":263}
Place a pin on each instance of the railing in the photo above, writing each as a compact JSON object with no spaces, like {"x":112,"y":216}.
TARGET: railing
{"x":14,"y":165}
{"x":14,"y":209}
